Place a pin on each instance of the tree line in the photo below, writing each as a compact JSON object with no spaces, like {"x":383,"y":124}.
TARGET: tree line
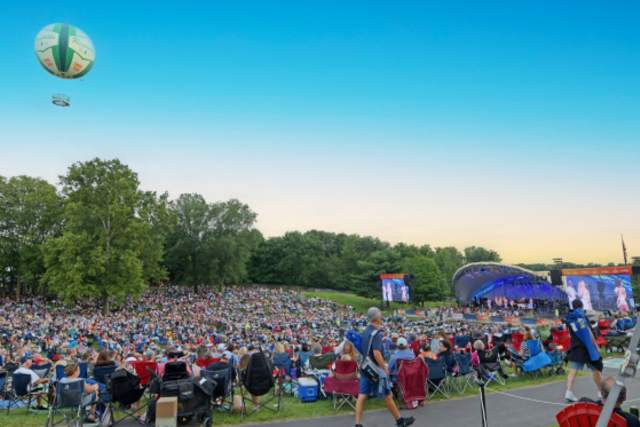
{"x":98,"y":236}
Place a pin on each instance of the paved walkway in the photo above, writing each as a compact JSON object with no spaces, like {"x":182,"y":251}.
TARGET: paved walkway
{"x":518,"y":408}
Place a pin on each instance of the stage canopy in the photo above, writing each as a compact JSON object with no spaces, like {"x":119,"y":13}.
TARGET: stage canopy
{"x":490,"y":280}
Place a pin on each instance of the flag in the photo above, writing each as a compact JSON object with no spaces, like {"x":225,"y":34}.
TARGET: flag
{"x":624,"y":250}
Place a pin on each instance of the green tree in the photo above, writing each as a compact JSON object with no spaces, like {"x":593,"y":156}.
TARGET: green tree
{"x":480,"y":254}
{"x":210,"y":244}
{"x":30,"y":213}
{"x":449,"y":260}
{"x":106,"y":246}
{"x":429,"y":284}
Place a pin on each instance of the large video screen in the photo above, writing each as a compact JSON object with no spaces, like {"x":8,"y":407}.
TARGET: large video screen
{"x":607,"y":288}
{"x":394,"y":288}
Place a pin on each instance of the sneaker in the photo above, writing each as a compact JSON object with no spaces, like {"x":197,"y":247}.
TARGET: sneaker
{"x":405,"y":422}
{"x":570,"y":397}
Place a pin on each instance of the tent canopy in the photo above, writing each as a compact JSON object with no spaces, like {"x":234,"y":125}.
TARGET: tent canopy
{"x":490,"y":280}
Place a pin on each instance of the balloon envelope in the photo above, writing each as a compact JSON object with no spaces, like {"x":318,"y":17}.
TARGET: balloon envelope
{"x":65,"y":51}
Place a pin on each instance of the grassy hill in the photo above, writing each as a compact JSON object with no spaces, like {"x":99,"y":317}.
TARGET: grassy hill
{"x":362,"y":304}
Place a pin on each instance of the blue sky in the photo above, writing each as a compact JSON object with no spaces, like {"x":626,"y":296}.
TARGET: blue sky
{"x":504,"y":124}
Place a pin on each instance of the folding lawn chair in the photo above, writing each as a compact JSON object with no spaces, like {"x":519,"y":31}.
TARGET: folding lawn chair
{"x":412,"y":382}
{"x":257,"y":381}
{"x":222,"y":376}
{"x":437,"y":379}
{"x":67,"y":403}
{"x":344,"y":384}
{"x":22,"y":391}
{"x":466,"y":374}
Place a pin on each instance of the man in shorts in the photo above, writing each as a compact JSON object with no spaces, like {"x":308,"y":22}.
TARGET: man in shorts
{"x":584,"y":351}
{"x":372,"y":338}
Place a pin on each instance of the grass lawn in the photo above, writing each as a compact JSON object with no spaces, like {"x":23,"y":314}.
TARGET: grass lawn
{"x":361,"y":304}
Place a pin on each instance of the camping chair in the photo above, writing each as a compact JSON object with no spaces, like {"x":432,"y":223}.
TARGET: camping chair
{"x":412,"y":382}
{"x":321,"y":362}
{"x":466,"y":374}
{"x":437,"y":378}
{"x":586,"y":414}
{"x":68,"y":403}
{"x":4,"y":376}
{"x":84,"y":370}
{"x":462,"y":341}
{"x":222,"y":378}
{"x":42,"y":370}
{"x":516,"y":341}
{"x":538,"y":359}
{"x":22,"y":391}
{"x":176,"y":370}
{"x":102,"y":375}
{"x":59,"y":372}
{"x":561,"y":339}
{"x":283,"y":363}
{"x":257,"y":381}
{"x":145,"y":370}
{"x":125,"y":390}
{"x":344,"y":384}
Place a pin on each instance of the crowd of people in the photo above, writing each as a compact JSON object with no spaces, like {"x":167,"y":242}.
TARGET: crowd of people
{"x":204,"y":326}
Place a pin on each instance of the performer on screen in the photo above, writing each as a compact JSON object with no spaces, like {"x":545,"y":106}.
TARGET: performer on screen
{"x":584,"y":295}
{"x":387,"y":293}
{"x":571,"y":292}
{"x":621,"y":294}
{"x":405,"y":297}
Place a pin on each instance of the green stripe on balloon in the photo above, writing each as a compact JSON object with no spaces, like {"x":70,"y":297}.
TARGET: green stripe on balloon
{"x":65,"y":53}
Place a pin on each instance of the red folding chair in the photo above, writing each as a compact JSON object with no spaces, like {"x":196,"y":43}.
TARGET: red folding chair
{"x":584,"y":414}
{"x":516,"y":341}
{"x":562,"y":339}
{"x":343,"y":384}
{"x":145,"y":370}
{"x":412,"y":382}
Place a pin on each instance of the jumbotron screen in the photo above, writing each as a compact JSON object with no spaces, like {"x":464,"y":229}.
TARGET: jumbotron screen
{"x":606,"y":288}
{"x":394,"y":288}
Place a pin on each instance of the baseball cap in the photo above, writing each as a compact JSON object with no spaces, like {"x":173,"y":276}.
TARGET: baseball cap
{"x":26,"y":356}
{"x":402,"y":342}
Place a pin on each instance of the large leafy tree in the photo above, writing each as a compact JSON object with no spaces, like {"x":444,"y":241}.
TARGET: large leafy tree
{"x":429,"y":284}
{"x":111,"y":241}
{"x":448,"y":259}
{"x":30,"y":213}
{"x":480,"y":254}
{"x":210,"y":243}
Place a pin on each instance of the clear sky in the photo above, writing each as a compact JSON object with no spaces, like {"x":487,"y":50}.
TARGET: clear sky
{"x":512,"y":125}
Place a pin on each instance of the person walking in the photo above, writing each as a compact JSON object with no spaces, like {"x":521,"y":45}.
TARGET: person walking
{"x":583,"y":351}
{"x":374,"y":372}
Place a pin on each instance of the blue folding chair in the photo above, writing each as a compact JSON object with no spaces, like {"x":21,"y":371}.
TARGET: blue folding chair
{"x":42,"y":370}
{"x":22,"y":391}
{"x":437,"y":380}
{"x":466,"y":373}
{"x":67,"y":405}
{"x":84,"y":370}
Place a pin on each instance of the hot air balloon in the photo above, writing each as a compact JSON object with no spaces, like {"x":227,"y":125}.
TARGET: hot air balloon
{"x":66,"y":52}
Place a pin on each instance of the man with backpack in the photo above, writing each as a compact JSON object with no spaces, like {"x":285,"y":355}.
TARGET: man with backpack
{"x":583,"y":351}
{"x":374,"y":372}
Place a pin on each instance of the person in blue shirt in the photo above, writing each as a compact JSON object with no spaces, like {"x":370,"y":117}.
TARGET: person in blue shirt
{"x":373,"y":335}
{"x":402,"y":353}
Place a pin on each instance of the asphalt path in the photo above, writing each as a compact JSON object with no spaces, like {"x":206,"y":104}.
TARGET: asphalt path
{"x":528,"y":407}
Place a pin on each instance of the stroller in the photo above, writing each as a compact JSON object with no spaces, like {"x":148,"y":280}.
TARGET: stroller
{"x":194,"y":396}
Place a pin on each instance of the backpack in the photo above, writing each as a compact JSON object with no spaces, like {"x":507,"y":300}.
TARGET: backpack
{"x":369,"y":369}
{"x":258,"y":377}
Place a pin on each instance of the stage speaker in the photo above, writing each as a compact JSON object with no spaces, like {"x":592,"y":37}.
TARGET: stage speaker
{"x":556,"y":277}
